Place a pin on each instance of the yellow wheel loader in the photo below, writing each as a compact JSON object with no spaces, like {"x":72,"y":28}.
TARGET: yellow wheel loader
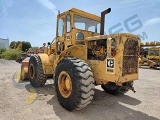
{"x":81,"y":56}
{"x":151,"y":57}
{"x":154,"y":55}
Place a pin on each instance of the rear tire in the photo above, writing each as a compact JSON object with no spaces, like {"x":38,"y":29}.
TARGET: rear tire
{"x":114,"y":89}
{"x":81,"y":89}
{"x":35,"y":72}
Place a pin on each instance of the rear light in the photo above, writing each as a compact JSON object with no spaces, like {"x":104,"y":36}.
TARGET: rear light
{"x":113,"y":52}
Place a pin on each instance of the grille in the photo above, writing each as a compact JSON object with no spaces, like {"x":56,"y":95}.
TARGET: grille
{"x":130,"y":57}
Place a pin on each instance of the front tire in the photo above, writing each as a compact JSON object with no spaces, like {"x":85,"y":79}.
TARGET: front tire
{"x":74,"y":84}
{"x":35,"y":71}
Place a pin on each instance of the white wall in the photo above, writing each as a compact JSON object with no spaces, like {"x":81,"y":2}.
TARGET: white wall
{"x":4,"y":43}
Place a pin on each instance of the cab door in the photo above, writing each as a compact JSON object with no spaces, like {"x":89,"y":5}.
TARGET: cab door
{"x":61,"y":33}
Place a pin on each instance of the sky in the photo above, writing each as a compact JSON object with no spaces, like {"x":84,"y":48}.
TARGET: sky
{"x":35,"y":20}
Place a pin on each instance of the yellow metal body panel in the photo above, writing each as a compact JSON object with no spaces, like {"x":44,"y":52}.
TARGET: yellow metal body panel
{"x":102,"y":74}
{"x":75,"y":51}
{"x":46,"y":64}
{"x":24,"y":68}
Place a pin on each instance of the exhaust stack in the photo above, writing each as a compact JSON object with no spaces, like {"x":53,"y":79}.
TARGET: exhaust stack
{"x":103,"y":20}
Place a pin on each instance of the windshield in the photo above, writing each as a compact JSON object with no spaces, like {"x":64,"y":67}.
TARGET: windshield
{"x":86,"y":24}
{"x":154,"y":53}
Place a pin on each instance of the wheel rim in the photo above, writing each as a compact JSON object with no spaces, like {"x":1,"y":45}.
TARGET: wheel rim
{"x":64,"y":84}
{"x":31,"y":71}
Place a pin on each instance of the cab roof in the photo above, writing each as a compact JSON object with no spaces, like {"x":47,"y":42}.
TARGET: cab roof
{"x":81,"y":13}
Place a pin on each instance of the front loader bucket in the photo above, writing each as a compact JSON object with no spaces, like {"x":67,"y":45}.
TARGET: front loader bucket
{"x":24,"y":69}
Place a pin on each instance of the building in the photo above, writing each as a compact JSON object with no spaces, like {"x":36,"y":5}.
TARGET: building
{"x":4,"y":43}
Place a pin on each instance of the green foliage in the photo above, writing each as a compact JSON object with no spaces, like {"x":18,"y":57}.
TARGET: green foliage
{"x":2,"y":50}
{"x":11,"y":54}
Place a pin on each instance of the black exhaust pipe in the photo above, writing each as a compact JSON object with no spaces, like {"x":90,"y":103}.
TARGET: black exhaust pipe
{"x":103,"y":20}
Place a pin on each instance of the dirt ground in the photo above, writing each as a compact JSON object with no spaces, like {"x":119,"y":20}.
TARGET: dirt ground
{"x":19,"y":101}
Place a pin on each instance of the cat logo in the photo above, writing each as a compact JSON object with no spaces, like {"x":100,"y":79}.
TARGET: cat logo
{"x":110,"y":63}
{"x":110,"y":66}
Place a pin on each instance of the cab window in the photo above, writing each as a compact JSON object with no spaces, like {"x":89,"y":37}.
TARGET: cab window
{"x":68,"y":23}
{"x":60,"y":27}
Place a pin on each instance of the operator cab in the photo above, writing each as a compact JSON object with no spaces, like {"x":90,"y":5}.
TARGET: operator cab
{"x":75,"y":25}
{"x":154,"y":52}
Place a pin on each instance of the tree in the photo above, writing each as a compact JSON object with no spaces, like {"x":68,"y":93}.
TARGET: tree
{"x":25,"y":45}
{"x":13,"y":44}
